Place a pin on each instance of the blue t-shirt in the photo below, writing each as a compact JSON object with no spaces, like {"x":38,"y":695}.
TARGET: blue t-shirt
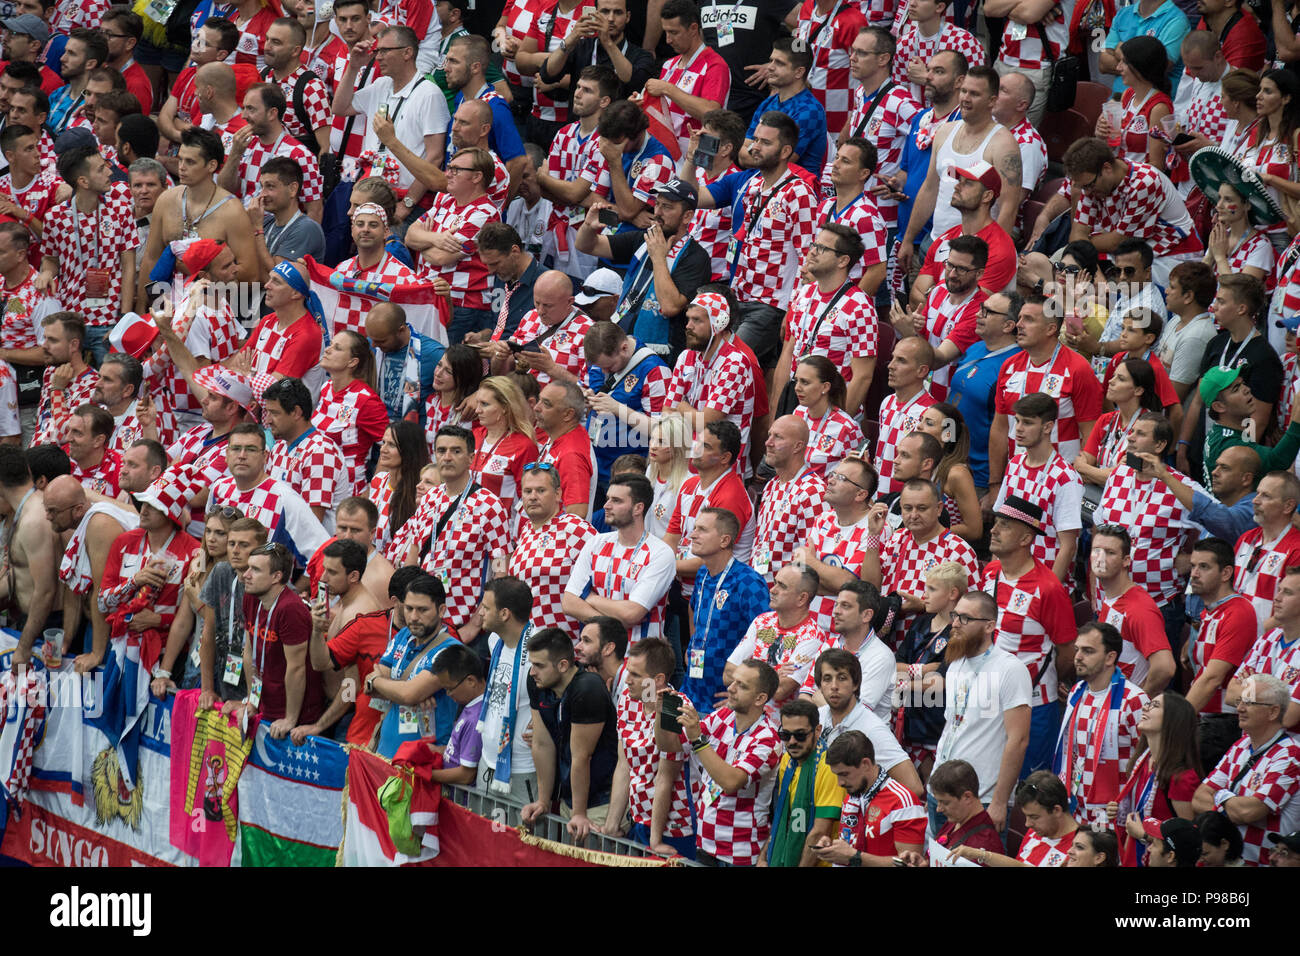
{"x":744,"y":595}
{"x":915,"y":166}
{"x":504,"y":138}
{"x":392,"y":373}
{"x":810,"y":116}
{"x":397,"y":658}
{"x":973,"y":389}
{"x":730,"y":189}
{"x":609,"y":440}
{"x":1168,"y":25}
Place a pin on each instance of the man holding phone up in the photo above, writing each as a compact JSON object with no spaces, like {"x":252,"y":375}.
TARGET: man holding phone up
{"x":734,"y":753}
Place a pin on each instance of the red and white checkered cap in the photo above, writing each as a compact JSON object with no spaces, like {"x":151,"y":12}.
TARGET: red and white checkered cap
{"x":224,"y":381}
{"x":168,"y":496}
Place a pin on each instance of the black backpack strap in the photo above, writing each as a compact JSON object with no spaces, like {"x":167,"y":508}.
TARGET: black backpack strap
{"x":300,"y":107}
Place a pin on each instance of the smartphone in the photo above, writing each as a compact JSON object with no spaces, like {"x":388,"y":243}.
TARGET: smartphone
{"x":1134,"y":462}
{"x":670,"y":708}
{"x":1074,"y":324}
{"x":322,"y":593}
{"x":903,"y":300}
{"x":608,"y":218}
{"x":1182,"y":138}
{"x":706,"y":151}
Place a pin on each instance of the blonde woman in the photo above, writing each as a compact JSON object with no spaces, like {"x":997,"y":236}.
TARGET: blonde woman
{"x":670,"y":445}
{"x":503,"y":439}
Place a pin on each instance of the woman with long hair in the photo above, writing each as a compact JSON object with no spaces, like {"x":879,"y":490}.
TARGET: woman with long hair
{"x":952,"y":475}
{"x":1272,"y":143}
{"x":668,"y":466}
{"x":403,"y":453}
{"x":1164,"y":772}
{"x":1144,"y":69}
{"x":1093,"y":848}
{"x":1132,"y":390}
{"x":833,"y":434}
{"x":1239,"y":89}
{"x":503,"y":439}
{"x":350,"y":410}
{"x":1236,"y":244}
{"x":455,"y":378}
{"x":1080,"y":279}
{"x":187,"y":626}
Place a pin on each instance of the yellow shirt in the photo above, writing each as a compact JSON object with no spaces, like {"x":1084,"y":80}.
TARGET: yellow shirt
{"x":828,"y":795}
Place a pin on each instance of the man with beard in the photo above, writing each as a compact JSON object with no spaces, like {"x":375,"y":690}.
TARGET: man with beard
{"x":466,"y":66}
{"x":946,"y":316}
{"x":602,"y":649}
{"x":1099,"y":734}
{"x":856,"y":608}
{"x":264,"y":137}
{"x":94,"y":528}
{"x":285,"y":39}
{"x":598,"y":38}
{"x":405,"y":677}
{"x":807,"y":791}
{"x":119,"y":390}
{"x":69,"y":381}
{"x":665,"y":267}
{"x":975,"y":189}
{"x":986,"y":710}
{"x":880,"y":818}
{"x":143,"y":462}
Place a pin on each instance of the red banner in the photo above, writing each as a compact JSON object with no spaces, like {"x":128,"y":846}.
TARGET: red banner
{"x":42,"y":839}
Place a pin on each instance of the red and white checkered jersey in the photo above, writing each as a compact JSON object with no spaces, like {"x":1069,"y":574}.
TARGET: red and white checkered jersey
{"x":339,"y":123}
{"x":785,"y":513}
{"x":830,"y":438}
{"x":1273,"y":781}
{"x":570,"y":153}
{"x":1260,"y":565}
{"x":797,"y":647}
{"x":734,"y":827}
{"x":1022,"y":46}
{"x":563,"y":345}
{"x":226,"y":130}
{"x":725,"y":383}
{"x":1226,"y":633}
{"x":315,"y":100}
{"x":542,"y":559}
{"x":829,"y":42}
{"x":644,"y":176}
{"x":912,"y":45}
{"x":1146,"y":205}
{"x":1056,"y":488}
{"x":213,"y":334}
{"x":313,"y":466}
{"x":49,"y":159}
{"x":265,"y":502}
{"x":896,"y":420}
{"x":636,"y":732}
{"x":353,"y":309}
{"x":1034,"y":612}
{"x":727,"y":492}
{"x":256,"y":155}
{"x":78,"y":13}
{"x":1039,"y":851}
{"x":778,"y":224}
{"x":893,"y":817}
{"x":499,"y":467}
{"x":49,"y":420}
{"x":1135,"y":615}
{"x":1157,"y":522}
{"x":126,"y":432}
{"x":549,"y":28}
{"x":1067,"y":377}
{"x":641,"y":573}
{"x":1273,"y":654}
{"x":1256,"y":251}
{"x":104,"y":478}
{"x":947,"y":317}
{"x":887,"y":129}
{"x":1286,"y":278}
{"x":326,"y":61}
{"x":863,"y":217}
{"x":252,"y":37}
{"x":1204,"y":108}
{"x":711,"y":228}
{"x":704,"y":74}
{"x":839,"y":547}
{"x":436,"y":415}
{"x":468,"y":277}
{"x":1097,"y":750}
{"x":846,"y":332}
{"x":380,"y":492}
{"x":355,"y":419}
{"x":36,"y":199}
{"x":1033,"y":154}
{"x":476,"y":532}
{"x":81,"y":242}
{"x":198,"y":461}
{"x":904,"y":562}
{"x":24,"y":308}
{"x":518,"y":16}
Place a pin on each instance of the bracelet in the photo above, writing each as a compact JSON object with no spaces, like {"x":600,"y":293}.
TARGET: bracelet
{"x":161,"y":673}
{"x":1222,"y":797}
{"x":260,"y":232}
{"x":700,"y":743}
{"x":872,"y":542}
{"x":1184,"y":441}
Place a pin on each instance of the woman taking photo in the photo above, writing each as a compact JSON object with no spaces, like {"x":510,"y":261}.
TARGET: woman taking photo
{"x":350,"y":410}
{"x":1144,"y":70}
{"x":832,"y":433}
{"x":952,"y":476}
{"x":1132,"y":391}
{"x":503,"y":439}
{"x":403,"y":453}
{"x":455,"y":378}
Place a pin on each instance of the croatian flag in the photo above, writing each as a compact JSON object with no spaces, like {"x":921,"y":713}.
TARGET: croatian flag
{"x":427,"y":312}
{"x":661,"y":126}
{"x":122,"y":703}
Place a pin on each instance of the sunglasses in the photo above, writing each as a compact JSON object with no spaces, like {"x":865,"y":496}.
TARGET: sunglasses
{"x":799,"y":735}
{"x":227,"y":512}
{"x":538,"y":466}
{"x":271,"y":547}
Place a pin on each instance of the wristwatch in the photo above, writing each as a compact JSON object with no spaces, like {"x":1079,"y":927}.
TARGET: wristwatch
{"x":408,"y":202}
{"x":856,"y":858}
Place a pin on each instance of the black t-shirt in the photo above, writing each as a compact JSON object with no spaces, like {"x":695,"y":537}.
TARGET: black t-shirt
{"x":585,"y":701}
{"x":583,"y":54}
{"x":923,"y":723}
{"x":755,"y":25}
{"x":1263,"y":375}
{"x":691,"y":270}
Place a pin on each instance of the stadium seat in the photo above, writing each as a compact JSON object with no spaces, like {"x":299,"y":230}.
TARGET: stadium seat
{"x":1061,"y":129}
{"x":1047,"y":188}
{"x":1089,"y":97}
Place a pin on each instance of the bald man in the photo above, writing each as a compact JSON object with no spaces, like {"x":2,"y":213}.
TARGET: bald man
{"x":793,"y":501}
{"x":1231,"y":512}
{"x":1011,"y":109}
{"x":549,"y":337}
{"x":86,"y":529}
{"x":406,"y":361}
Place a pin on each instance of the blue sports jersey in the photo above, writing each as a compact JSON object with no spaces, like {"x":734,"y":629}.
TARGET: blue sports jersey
{"x":722,"y":606}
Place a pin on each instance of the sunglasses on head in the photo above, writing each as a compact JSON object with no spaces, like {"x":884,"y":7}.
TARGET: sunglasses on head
{"x":538,"y":466}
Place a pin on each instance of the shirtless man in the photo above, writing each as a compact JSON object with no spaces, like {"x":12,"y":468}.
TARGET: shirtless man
{"x":29,"y":555}
{"x":356,"y":520}
{"x":94,"y":523}
{"x":198,"y":206}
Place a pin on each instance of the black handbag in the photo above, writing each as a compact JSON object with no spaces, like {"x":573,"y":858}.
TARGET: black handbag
{"x":1063,"y":76}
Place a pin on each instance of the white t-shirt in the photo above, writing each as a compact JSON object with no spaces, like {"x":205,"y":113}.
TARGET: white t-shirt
{"x":888,"y":752}
{"x":1181,"y":350}
{"x":977,"y":692}
{"x":420,"y":108}
{"x":878,"y":669}
{"x":493,"y":713}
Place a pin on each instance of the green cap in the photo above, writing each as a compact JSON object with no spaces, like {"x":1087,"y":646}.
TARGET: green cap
{"x":1215,"y":381}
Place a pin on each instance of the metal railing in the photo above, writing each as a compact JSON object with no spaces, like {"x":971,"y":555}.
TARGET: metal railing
{"x":505,"y":811}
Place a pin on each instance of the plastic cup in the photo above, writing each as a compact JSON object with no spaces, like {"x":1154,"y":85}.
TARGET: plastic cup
{"x":1170,"y":123}
{"x":54,"y":643}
